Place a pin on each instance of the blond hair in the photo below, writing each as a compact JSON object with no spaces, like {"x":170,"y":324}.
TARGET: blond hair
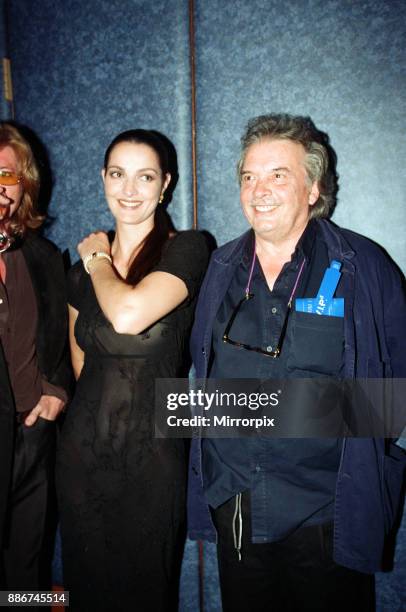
{"x":26,"y":215}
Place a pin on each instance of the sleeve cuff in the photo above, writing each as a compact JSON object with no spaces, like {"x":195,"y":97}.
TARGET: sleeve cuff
{"x":50,"y":389}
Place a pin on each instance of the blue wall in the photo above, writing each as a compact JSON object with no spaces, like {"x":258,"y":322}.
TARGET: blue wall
{"x":341,"y":62}
{"x":84,"y":71}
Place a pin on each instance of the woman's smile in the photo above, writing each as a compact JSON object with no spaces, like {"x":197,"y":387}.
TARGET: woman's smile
{"x":130,"y":204}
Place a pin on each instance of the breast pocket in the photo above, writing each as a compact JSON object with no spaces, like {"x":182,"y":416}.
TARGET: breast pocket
{"x":317,"y":344}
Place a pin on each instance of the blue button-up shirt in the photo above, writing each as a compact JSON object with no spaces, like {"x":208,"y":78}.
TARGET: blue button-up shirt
{"x":299,"y":474}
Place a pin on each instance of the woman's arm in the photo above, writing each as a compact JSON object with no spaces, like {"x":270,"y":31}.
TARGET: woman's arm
{"x":77,"y":355}
{"x":129,"y":309}
{"x":132,"y":309}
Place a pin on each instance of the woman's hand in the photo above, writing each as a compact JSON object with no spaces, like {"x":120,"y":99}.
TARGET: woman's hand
{"x":97,"y":241}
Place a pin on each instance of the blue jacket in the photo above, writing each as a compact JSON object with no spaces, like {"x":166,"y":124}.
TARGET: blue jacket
{"x":369,"y":482}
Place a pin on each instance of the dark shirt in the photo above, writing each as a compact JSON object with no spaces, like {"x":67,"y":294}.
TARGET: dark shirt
{"x":230,"y":465}
{"x":18,"y":337}
{"x":18,"y":327}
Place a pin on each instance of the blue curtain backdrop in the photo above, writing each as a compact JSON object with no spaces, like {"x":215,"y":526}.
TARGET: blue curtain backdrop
{"x":84,"y":71}
{"x":343,"y":62}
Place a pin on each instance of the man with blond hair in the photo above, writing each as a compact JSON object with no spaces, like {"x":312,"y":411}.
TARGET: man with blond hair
{"x":34,"y":370}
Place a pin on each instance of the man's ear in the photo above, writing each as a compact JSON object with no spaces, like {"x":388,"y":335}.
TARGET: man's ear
{"x":314,"y":194}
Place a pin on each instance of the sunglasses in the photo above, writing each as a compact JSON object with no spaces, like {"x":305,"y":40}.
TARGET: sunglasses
{"x":269,"y":352}
{"x":8,"y":178}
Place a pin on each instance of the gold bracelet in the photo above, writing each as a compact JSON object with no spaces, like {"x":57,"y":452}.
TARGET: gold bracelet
{"x":96,"y":255}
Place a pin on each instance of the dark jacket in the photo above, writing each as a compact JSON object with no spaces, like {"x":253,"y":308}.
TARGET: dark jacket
{"x":369,"y":482}
{"x":46,"y":271}
{"x":47,"y":274}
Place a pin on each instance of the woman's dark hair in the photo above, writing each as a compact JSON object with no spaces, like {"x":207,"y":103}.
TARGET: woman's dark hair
{"x":151,"y":250}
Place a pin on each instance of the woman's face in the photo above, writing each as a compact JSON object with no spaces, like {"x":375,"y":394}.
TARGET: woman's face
{"x":10,"y":195}
{"x":133,"y":183}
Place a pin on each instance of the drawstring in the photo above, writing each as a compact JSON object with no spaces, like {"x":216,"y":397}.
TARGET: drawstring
{"x":237,"y":512}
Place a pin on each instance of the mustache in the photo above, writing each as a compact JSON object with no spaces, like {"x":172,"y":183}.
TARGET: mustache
{"x":5,"y":200}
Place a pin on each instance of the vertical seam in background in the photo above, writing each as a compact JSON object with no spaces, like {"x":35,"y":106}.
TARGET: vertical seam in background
{"x":193,"y":107}
{"x":192,"y":49}
{"x":7,"y":102}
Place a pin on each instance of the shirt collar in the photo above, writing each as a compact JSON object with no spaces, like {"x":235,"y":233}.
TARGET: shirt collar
{"x":303,"y":248}
{"x":305,"y":244}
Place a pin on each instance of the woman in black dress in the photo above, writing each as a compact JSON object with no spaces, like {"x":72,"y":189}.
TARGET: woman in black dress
{"x":121,"y":490}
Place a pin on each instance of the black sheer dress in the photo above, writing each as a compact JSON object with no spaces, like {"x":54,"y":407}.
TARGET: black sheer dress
{"x":122,"y":491}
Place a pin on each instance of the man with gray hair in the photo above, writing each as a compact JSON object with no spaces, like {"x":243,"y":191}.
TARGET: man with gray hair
{"x":301,"y":523}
